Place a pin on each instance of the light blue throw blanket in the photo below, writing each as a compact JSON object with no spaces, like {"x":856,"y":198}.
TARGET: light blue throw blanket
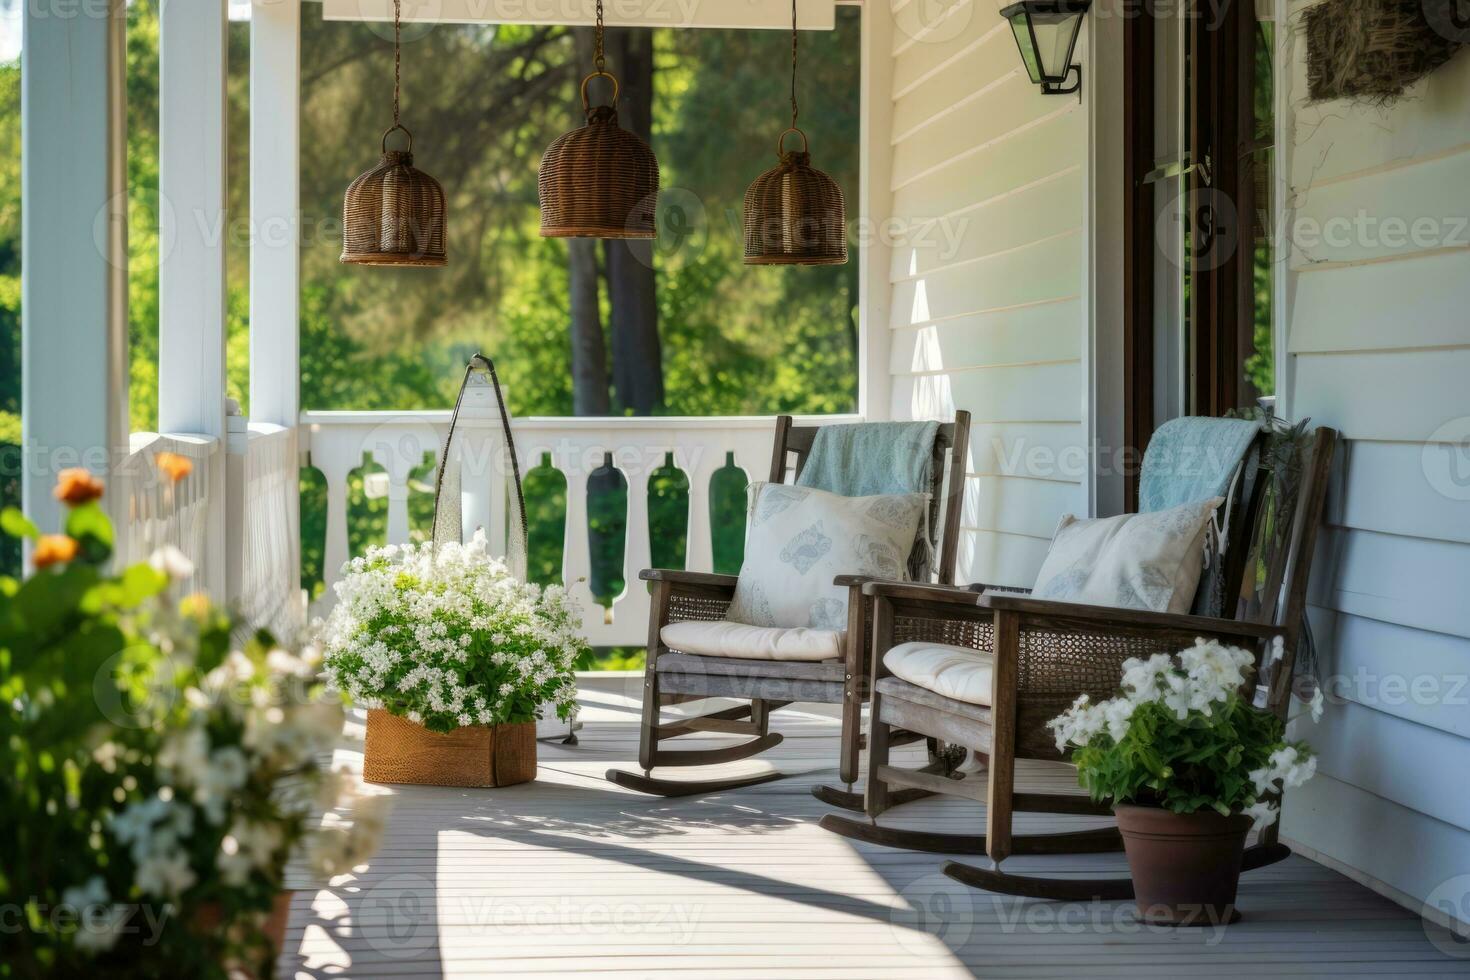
{"x":869,"y":458}
{"x":1191,"y":459}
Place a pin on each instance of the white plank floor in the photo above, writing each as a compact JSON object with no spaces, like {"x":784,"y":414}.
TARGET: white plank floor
{"x":572,"y":875}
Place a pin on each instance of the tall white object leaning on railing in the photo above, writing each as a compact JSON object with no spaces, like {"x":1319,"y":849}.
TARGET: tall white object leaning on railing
{"x":479,"y":481}
{"x":479,"y":488}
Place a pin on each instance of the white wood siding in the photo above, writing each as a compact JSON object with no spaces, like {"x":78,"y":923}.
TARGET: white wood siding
{"x":1379,"y":344}
{"x":986,"y":274}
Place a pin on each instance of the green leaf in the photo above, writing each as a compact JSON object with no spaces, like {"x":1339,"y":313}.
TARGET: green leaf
{"x":89,"y":524}
{"x":129,"y":590}
{"x":18,"y":525}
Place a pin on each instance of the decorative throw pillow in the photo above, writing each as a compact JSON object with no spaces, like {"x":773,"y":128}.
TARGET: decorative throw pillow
{"x":1133,"y":561}
{"x":799,"y":539}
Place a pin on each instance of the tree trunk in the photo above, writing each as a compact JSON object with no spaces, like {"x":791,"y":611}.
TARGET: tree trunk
{"x":589,"y":350}
{"x":637,"y":357}
{"x":590,"y":394}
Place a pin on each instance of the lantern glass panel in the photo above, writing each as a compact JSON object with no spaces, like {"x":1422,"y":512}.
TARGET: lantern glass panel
{"x":1021,"y":28}
{"x":1056,"y":32}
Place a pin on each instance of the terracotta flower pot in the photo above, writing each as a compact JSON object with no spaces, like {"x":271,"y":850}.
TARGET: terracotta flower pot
{"x":208,"y":917}
{"x":400,"y":751}
{"x":275,"y":925}
{"x":1185,"y":865}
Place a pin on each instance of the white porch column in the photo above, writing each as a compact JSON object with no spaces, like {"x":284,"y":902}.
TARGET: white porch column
{"x":73,"y":249}
{"x":275,"y":118}
{"x":191,"y":275}
{"x":874,"y":207}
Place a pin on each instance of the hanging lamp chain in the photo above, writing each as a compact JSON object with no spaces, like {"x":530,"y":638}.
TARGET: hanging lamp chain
{"x":397,"y":46}
{"x":793,"y":64}
{"x":598,"y":58}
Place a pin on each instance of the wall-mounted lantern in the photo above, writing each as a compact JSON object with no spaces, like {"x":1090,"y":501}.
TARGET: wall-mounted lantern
{"x":1046,"y":33}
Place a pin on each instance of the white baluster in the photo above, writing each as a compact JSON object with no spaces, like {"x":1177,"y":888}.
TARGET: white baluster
{"x":576,"y":560}
{"x":632,"y":605}
{"x":400,"y":450}
{"x":699,"y":552}
{"x":336,"y":454}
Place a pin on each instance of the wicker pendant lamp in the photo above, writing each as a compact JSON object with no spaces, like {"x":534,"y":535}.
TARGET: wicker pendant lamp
{"x":598,"y":181}
{"x":394,"y":213}
{"x":794,"y":213}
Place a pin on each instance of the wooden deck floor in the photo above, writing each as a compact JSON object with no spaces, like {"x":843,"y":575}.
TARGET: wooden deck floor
{"x":570,"y":874}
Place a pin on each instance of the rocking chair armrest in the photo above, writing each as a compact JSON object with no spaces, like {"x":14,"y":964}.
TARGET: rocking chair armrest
{"x":1139,"y":621}
{"x":852,"y":581}
{"x":678,"y":576}
{"x":1020,"y":590}
{"x":922,"y":591}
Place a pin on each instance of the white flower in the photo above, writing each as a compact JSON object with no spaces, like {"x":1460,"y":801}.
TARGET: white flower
{"x":185,"y":755}
{"x":1117,"y":713}
{"x":1262,"y":813}
{"x":172,"y":562}
{"x":99,"y":922}
{"x":249,"y":845}
{"x":407,"y":620}
{"x":1261,"y":779}
{"x":165,"y":873}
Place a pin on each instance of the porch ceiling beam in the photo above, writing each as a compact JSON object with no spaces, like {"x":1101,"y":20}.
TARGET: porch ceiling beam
{"x":195,"y":225}
{"x":73,"y":250}
{"x":749,"y":14}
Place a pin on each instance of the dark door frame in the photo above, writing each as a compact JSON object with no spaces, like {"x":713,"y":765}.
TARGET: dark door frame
{"x":1220,"y":207}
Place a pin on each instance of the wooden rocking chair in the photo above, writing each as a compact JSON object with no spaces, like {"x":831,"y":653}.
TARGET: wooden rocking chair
{"x":673,"y":677}
{"x":1045,"y":653}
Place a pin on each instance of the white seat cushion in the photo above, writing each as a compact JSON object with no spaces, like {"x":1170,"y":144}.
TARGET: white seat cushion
{"x":725,"y":639}
{"x":955,"y":672}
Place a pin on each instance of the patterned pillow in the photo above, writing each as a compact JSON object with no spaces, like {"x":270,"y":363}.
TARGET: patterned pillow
{"x":1133,"y":561}
{"x":798,"y":540}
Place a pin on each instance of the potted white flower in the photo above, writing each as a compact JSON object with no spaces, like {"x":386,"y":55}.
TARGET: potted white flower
{"x":453,"y":657}
{"x":1189,"y":765}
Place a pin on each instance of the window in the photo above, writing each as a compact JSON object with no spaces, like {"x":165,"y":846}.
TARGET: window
{"x":1199,"y":257}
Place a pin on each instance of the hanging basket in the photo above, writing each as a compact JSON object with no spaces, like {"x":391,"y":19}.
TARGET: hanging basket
{"x":394,"y":213}
{"x":396,"y":750}
{"x":794,"y":213}
{"x":1372,"y":50}
{"x":598,"y":181}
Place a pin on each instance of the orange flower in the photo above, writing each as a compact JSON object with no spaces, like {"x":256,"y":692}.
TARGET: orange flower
{"x":77,"y":486}
{"x":195,"y":605}
{"x":174,"y":466}
{"x":52,"y":548}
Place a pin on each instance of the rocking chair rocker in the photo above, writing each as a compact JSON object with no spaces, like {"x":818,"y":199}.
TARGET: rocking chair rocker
{"x":1044,"y":654}
{"x":675,"y":677}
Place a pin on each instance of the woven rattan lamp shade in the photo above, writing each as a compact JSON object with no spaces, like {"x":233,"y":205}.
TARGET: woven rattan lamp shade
{"x":394,"y":215}
{"x":795,"y":214}
{"x":598,"y":181}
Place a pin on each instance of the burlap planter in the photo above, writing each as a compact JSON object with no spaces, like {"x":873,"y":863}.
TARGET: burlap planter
{"x":399,"y":751}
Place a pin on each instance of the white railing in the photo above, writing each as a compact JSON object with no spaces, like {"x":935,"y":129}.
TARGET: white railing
{"x":263,"y":548}
{"x":157,"y":512}
{"x":336,"y":442}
